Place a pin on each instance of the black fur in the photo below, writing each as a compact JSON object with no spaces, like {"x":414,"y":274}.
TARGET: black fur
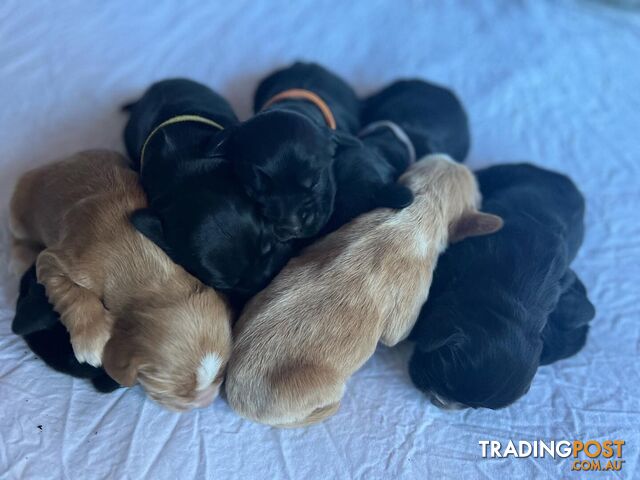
{"x":336,"y":93}
{"x":211,"y":228}
{"x":432,"y":116}
{"x":284,"y":162}
{"x":190,"y":141}
{"x":366,"y":175}
{"x":199,"y":213}
{"x":503,"y":304}
{"x":284,"y":154}
{"x":40,"y":327}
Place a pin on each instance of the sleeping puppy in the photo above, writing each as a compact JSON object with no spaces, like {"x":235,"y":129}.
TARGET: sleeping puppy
{"x":40,"y":327}
{"x":198,"y":213}
{"x":432,"y":116}
{"x":284,"y":154}
{"x":209,"y":226}
{"x":183,"y":147}
{"x":366,"y":175}
{"x":125,"y":305}
{"x":335,"y":92}
{"x":499,"y":305}
{"x":299,"y":340}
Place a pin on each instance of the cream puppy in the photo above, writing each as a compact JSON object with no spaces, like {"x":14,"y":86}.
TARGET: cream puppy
{"x":300,"y":339}
{"x":126,"y":305}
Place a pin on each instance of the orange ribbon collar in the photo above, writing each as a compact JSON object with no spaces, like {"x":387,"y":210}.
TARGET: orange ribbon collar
{"x":300,"y":93}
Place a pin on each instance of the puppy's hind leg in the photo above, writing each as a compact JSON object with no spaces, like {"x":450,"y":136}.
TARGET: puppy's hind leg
{"x":394,"y":196}
{"x":81,"y":311}
{"x":568,"y":325}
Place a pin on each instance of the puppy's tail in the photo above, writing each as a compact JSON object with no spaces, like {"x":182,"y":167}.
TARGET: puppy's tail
{"x":568,"y":325}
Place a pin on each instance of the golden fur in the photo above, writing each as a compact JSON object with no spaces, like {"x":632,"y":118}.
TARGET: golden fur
{"x":300,"y":339}
{"x":126,"y":305}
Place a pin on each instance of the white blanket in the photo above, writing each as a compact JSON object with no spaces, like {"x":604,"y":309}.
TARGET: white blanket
{"x":556,"y":83}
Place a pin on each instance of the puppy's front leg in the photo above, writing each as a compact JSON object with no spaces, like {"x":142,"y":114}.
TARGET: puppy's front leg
{"x":81,"y":311}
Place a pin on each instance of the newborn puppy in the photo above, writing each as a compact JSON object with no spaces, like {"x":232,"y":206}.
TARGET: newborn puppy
{"x":211,"y":228}
{"x":125,"y":305}
{"x":40,"y":327}
{"x":199,"y":214}
{"x":339,"y":97}
{"x":366,"y":175}
{"x":496,"y":301}
{"x":300,"y":339}
{"x":284,"y":154}
{"x":196,"y":117}
{"x":432,"y":116}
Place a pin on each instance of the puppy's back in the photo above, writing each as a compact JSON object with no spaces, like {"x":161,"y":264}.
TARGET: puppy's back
{"x":532,"y":194}
{"x":44,"y":196}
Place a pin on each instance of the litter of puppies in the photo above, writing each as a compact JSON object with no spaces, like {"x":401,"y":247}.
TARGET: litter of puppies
{"x":273,"y":254}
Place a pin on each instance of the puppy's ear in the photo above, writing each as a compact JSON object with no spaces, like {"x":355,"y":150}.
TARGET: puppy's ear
{"x":120,"y":362}
{"x":474,"y":224}
{"x":149,"y":224}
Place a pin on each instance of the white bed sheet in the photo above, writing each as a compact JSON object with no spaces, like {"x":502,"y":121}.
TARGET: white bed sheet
{"x":557,"y":83}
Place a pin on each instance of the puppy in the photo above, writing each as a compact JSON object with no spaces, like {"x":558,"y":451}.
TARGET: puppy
{"x":41,"y":329}
{"x":501,"y":305}
{"x":284,"y":154}
{"x":178,"y":123}
{"x":199,"y":213}
{"x":208,"y":225}
{"x":432,"y":116}
{"x":339,"y":97}
{"x":300,"y":339}
{"x":366,"y":175}
{"x":125,"y":305}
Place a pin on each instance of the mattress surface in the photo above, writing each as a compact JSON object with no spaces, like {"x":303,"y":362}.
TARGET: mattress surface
{"x":555,"y":83}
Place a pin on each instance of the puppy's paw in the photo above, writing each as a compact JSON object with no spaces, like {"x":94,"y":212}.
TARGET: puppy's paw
{"x":88,"y":344}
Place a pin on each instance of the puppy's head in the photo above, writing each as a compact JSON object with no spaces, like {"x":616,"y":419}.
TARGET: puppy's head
{"x":218,"y":236}
{"x":474,"y":354}
{"x":455,"y":189}
{"x":285,"y":162}
{"x":175,"y":345}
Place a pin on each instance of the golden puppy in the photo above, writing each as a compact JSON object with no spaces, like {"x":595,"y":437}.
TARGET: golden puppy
{"x":126,"y":305}
{"x":300,"y":339}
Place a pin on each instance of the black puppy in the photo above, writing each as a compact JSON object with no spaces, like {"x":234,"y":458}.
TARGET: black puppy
{"x":40,"y":327}
{"x":211,"y":228}
{"x":179,"y":124}
{"x":366,"y":175}
{"x":198,"y":211}
{"x":284,"y":154}
{"x":503,"y":304}
{"x":432,"y":116}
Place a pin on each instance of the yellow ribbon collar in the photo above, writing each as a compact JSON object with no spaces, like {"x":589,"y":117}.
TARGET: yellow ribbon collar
{"x":177,"y":119}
